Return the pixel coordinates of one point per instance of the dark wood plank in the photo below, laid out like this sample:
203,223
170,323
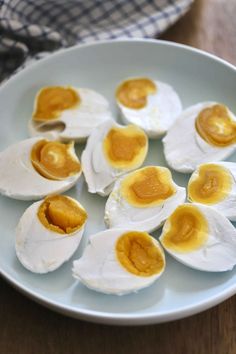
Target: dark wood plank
26,327
209,25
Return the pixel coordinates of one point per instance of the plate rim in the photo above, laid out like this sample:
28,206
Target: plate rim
61,51
120,319
105,317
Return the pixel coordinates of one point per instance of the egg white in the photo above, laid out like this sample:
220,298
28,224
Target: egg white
99,269
20,180
184,149
39,249
78,122
227,206
99,175
161,111
119,212
218,253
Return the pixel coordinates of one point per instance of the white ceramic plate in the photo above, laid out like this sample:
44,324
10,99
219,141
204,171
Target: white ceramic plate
196,76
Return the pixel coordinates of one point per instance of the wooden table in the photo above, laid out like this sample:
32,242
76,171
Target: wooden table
26,327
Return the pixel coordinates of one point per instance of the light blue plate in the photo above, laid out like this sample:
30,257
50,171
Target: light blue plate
196,76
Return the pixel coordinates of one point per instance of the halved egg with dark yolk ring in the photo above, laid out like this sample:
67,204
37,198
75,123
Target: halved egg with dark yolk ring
55,160
200,237
215,125
214,184
204,133
35,167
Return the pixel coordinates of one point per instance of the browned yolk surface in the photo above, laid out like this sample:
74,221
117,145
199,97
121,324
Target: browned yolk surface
51,101
187,229
148,186
61,214
139,255
125,147
54,160
216,127
133,93
212,184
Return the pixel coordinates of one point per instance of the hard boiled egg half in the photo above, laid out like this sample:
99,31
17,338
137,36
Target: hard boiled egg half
203,133
143,199
120,261
49,232
152,105
200,237
214,184
67,113
34,168
111,151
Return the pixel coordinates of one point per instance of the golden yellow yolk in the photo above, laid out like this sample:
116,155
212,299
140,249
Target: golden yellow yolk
139,255
61,214
125,147
187,229
54,160
212,184
216,127
147,187
133,93
51,101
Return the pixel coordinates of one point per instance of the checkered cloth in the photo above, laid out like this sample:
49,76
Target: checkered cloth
31,28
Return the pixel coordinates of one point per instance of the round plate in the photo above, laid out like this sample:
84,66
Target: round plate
196,76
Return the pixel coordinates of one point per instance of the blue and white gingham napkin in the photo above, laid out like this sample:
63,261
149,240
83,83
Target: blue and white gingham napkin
31,28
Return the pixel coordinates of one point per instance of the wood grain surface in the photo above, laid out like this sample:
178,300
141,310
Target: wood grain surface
26,327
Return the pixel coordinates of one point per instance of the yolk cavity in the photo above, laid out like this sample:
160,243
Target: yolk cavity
51,101
187,229
139,255
54,160
148,187
125,147
133,93
61,214
216,127
212,184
